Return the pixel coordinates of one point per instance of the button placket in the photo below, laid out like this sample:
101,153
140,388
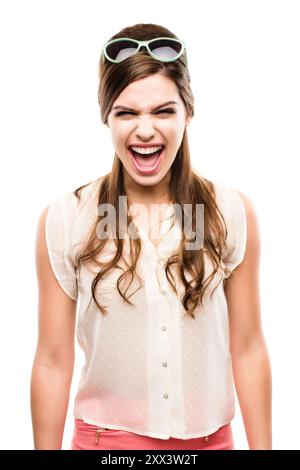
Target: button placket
164,364
159,303
161,278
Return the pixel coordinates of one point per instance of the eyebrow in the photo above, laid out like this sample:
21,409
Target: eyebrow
160,106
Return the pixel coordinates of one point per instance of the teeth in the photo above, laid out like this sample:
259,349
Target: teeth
146,150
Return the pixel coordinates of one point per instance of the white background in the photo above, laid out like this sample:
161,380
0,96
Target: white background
245,74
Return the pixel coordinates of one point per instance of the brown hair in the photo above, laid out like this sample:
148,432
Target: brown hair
186,186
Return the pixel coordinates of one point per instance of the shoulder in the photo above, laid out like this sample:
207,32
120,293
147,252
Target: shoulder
236,205
230,201
80,197
253,232
239,213
70,215
242,214
73,205
251,213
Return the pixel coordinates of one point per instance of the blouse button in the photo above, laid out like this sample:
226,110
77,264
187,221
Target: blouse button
164,292
164,364
163,328
206,438
165,395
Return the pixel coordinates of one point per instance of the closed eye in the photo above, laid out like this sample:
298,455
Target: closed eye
167,110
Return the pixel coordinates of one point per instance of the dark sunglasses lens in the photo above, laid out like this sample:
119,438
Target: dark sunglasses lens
165,49
120,50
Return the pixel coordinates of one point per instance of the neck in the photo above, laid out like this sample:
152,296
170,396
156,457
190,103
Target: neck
153,194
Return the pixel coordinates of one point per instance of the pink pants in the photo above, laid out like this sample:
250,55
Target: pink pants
89,437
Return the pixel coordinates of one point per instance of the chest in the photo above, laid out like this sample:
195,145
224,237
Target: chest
153,223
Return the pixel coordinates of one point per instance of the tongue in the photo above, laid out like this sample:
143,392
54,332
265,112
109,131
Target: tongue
147,161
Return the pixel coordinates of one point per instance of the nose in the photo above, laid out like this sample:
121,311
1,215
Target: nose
144,129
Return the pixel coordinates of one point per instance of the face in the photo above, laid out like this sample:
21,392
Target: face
140,121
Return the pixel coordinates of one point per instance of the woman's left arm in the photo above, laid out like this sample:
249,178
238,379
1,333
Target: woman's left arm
250,360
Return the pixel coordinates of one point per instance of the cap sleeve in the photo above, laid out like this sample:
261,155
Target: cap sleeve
237,233
57,233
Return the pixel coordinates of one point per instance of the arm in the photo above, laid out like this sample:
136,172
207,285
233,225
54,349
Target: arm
54,358
250,361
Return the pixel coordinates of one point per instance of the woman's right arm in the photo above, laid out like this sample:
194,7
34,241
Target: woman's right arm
53,363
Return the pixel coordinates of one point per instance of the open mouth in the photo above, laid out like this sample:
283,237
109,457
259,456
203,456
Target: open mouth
147,163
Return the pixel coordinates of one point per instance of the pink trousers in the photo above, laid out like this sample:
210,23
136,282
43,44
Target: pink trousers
89,437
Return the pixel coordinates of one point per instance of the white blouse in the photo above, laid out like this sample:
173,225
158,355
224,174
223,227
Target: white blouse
149,368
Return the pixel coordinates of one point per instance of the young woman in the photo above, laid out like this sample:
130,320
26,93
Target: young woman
165,265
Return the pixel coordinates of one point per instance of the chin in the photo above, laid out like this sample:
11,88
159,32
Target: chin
147,180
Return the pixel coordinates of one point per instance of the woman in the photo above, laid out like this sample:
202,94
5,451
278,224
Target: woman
165,264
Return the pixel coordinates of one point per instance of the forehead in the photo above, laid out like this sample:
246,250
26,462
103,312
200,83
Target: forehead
150,91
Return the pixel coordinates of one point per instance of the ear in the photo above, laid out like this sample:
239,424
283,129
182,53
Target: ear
188,120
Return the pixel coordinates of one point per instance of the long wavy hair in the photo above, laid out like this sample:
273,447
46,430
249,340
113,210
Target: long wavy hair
186,185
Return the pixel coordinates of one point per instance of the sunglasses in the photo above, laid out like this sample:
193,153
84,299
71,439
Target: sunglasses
163,49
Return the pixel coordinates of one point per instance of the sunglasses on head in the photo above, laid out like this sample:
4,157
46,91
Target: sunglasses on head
163,49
